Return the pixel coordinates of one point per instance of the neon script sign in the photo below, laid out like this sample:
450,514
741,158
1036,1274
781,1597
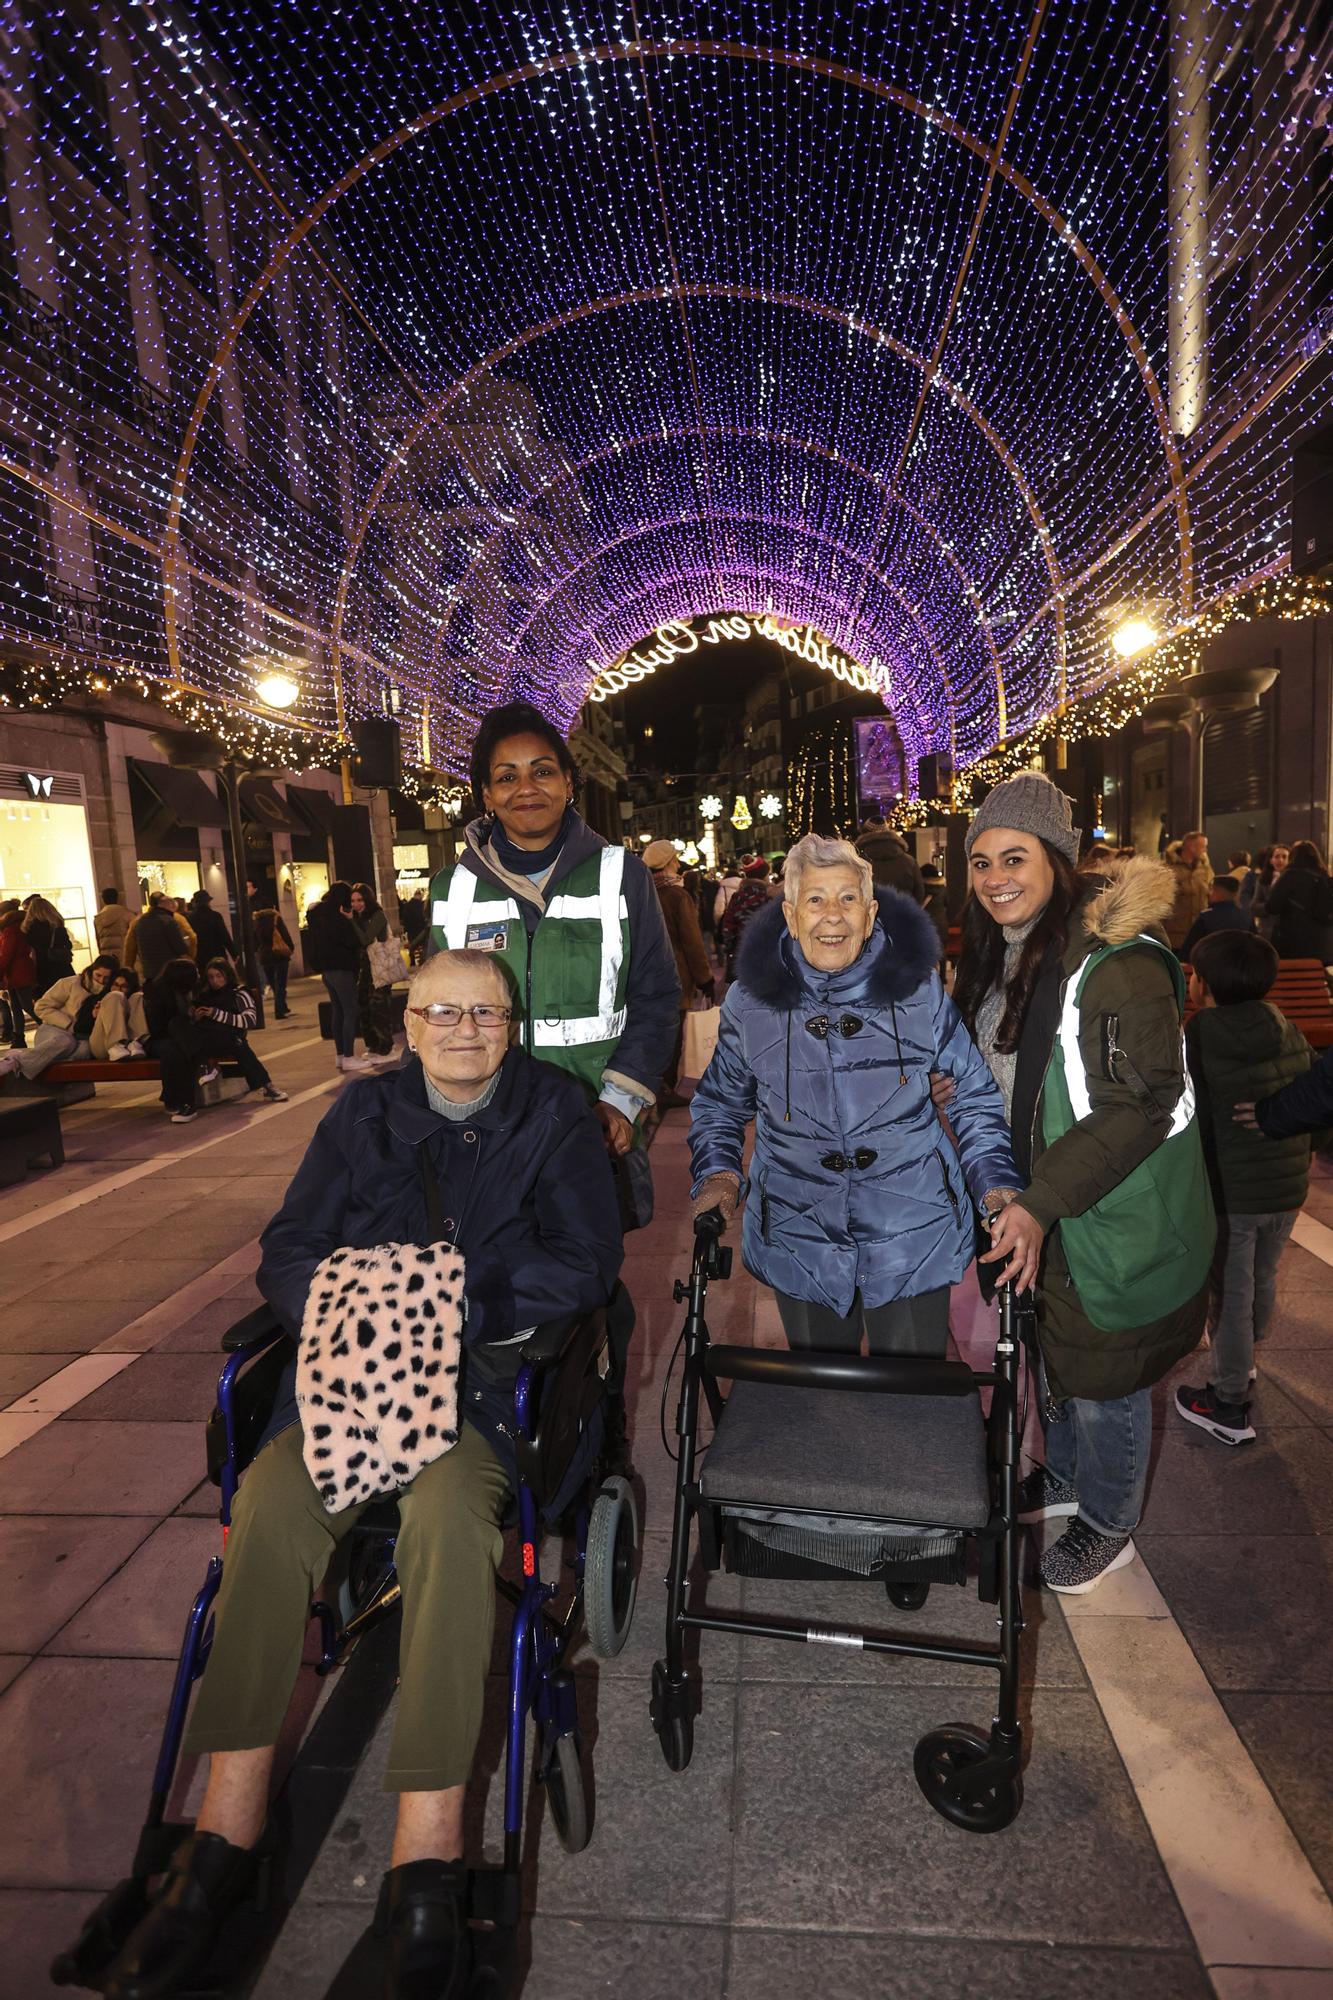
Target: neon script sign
674,641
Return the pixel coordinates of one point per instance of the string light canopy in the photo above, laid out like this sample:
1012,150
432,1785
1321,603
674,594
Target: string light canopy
452,349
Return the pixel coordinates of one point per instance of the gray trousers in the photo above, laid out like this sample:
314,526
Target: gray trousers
1243,1294
918,1325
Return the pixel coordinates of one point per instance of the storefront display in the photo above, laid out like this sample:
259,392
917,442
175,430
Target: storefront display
45,850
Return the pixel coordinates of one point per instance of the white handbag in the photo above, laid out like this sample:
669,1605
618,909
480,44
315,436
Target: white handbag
385,958
701,1025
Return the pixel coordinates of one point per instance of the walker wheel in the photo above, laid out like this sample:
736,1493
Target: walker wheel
908,1596
939,1759
675,1731
568,1796
611,1568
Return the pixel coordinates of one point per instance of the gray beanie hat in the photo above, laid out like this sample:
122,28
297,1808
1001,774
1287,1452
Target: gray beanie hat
1030,803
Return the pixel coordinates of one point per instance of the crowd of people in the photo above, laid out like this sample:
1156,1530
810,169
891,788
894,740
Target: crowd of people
163,985
1088,1095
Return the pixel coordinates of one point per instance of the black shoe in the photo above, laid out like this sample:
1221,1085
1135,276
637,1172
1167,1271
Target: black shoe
422,1911
208,1877
1229,1423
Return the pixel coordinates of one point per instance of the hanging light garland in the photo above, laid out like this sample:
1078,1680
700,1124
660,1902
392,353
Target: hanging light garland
471,431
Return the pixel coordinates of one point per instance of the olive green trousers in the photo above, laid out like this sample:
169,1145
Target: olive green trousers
447,1554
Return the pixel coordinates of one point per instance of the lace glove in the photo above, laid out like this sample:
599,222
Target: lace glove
995,1199
718,1191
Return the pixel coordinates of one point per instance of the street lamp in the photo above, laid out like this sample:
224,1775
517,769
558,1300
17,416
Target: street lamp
1132,637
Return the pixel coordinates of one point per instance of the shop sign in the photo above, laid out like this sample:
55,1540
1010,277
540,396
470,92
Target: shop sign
38,787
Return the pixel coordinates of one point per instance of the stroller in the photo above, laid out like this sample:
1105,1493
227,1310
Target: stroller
568,1419
824,1465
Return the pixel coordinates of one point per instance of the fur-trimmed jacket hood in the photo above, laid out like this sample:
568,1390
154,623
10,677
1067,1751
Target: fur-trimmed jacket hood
854,1184
1137,898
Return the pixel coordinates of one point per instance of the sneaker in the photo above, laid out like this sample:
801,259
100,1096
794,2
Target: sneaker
209,1074
273,1094
1041,1496
1080,1559
185,1115
1229,1423
137,1050
355,1062
121,1053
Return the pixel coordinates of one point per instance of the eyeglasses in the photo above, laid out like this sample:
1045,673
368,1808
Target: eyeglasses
441,1015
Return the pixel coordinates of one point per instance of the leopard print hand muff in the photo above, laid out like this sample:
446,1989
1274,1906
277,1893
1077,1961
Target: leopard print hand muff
377,1368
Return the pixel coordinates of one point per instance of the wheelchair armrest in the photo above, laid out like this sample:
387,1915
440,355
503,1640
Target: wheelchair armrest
548,1341
259,1328
901,1375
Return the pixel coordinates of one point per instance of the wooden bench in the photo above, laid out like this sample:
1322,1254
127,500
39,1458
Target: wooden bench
135,1069
29,1131
1300,991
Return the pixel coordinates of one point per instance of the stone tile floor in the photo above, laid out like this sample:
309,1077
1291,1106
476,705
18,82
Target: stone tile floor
796,1852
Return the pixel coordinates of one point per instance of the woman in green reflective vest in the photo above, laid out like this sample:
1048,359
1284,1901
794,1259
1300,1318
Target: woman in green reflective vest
1075,999
577,922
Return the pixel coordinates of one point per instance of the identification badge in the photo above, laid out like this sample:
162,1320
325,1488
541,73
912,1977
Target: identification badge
488,937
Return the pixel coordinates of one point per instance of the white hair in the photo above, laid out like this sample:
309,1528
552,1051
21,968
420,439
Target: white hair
818,851
444,962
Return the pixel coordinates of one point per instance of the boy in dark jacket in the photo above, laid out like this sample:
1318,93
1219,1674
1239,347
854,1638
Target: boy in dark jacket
1241,1048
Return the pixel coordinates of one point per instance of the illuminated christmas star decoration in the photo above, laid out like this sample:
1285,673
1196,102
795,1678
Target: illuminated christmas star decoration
710,806
770,806
458,375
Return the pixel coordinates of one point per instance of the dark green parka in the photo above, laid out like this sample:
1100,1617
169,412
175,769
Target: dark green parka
1238,1055
1133,1057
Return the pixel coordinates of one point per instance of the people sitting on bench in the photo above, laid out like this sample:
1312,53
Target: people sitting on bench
81,1019
195,1026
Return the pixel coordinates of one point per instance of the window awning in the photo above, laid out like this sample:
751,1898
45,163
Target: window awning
316,807
181,793
263,805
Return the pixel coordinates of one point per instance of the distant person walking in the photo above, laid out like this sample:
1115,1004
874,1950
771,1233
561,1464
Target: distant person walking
336,957
111,923
52,950
274,947
158,936
693,968
1193,877
1300,907
891,862
212,937
371,926
1223,914
18,970
752,897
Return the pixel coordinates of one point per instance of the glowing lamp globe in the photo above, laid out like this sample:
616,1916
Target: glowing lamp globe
1132,637
277,690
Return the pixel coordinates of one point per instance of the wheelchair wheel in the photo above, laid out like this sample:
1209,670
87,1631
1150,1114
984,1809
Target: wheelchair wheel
568,1796
611,1569
675,1731
940,1756
908,1596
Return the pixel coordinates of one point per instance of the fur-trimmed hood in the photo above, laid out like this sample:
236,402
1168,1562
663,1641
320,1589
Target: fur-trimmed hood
1139,895
899,956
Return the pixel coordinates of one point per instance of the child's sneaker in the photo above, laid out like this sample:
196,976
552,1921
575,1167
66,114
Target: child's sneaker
1228,1422
1041,1496
1080,1559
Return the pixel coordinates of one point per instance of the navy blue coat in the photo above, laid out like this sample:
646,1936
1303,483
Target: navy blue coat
817,1226
526,1193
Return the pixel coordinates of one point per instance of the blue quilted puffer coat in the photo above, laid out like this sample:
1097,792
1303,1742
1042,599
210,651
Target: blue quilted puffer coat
854,1184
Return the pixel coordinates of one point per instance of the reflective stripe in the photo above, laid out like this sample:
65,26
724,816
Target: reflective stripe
574,1034
452,915
1076,1078
610,881
580,906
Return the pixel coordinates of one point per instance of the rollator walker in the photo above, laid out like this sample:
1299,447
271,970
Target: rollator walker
567,1427
828,1465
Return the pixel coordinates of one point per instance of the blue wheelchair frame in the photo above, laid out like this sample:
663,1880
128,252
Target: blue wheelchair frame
539,1683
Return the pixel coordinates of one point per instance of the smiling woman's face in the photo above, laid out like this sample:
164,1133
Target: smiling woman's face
1012,876
528,791
830,919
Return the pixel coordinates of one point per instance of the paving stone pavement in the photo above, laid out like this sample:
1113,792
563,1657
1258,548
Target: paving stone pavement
796,1853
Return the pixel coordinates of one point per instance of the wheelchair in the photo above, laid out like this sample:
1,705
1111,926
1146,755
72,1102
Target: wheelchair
828,1465
568,1434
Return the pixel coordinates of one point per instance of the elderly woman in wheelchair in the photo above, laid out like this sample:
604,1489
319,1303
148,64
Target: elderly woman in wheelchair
441,1213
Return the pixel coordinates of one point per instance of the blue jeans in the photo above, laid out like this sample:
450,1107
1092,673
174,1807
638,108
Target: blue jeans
1243,1294
341,989
1101,1450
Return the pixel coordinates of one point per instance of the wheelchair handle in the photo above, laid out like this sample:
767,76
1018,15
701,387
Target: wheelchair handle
710,1225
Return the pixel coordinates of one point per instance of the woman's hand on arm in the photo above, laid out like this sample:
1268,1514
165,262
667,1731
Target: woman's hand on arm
1016,1236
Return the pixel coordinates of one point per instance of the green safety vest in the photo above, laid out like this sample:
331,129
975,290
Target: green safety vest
569,980
1144,1249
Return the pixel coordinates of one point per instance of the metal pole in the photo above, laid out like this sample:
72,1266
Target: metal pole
1187,216
245,930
